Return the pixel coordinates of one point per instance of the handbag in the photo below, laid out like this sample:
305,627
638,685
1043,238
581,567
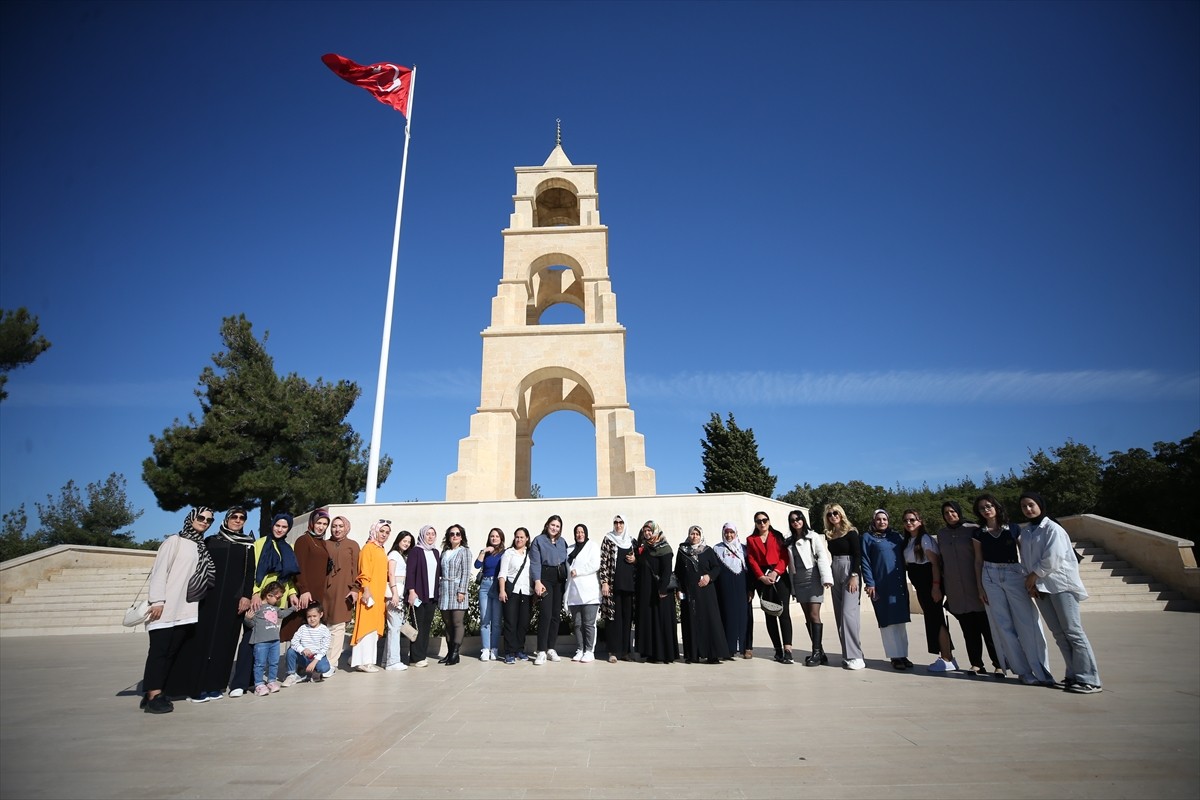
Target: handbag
407,629
772,607
139,611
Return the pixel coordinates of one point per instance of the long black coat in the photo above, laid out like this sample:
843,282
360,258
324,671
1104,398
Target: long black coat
703,634
656,639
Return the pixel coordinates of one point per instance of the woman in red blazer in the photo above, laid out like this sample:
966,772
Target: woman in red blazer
766,556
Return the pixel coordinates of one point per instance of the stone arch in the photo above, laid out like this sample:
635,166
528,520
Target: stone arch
556,203
539,394
548,286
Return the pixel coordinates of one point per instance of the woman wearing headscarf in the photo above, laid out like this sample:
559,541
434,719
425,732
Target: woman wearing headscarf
923,567
202,669
341,587
454,579
733,596
845,550
583,593
766,555
1054,583
548,571
618,581
656,639
370,612
696,569
883,577
274,561
811,573
960,585
420,587
313,561
181,575
1020,643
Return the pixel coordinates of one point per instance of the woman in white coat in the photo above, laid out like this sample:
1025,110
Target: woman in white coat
812,574
583,593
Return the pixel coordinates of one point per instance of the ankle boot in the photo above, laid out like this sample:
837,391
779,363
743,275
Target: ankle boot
452,656
816,630
446,658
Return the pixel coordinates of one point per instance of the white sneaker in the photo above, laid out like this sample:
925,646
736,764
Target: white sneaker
553,655
495,657
486,655
330,673
397,667
290,680
236,692
578,656
588,656
424,662
942,665
854,663
541,658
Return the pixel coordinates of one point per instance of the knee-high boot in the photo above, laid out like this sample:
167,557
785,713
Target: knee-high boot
816,630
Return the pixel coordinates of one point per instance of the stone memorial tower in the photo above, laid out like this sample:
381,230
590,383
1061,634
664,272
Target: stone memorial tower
555,251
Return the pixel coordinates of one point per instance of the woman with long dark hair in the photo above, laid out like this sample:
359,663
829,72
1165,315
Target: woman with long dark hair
453,581
925,572
811,573
515,593
1012,614
396,607
767,556
548,570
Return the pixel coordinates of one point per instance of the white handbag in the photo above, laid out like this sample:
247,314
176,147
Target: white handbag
139,611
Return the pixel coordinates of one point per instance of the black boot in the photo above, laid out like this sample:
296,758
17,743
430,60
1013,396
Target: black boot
446,658
818,657
452,656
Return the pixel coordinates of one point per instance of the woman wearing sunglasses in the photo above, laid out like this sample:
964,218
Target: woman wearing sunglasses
845,549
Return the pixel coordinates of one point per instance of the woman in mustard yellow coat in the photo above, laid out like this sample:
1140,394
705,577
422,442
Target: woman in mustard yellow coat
370,611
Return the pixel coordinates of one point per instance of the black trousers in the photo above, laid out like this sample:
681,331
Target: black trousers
423,619
164,647
516,622
781,593
243,667
975,628
549,610
617,630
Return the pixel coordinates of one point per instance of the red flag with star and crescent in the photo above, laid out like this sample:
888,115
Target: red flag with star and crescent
388,83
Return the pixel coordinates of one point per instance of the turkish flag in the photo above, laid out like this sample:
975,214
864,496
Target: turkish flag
389,83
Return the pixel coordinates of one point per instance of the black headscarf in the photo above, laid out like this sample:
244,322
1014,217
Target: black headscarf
578,545
958,509
1037,498
240,537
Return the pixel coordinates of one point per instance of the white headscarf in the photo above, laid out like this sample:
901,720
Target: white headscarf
730,552
623,540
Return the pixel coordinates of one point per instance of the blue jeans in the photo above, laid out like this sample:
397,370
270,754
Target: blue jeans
293,656
1016,631
490,611
266,656
1061,612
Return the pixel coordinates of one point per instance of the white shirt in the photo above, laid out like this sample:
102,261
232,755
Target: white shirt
584,588
400,569
510,564
910,549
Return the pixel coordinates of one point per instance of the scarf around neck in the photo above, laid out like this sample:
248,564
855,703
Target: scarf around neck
205,576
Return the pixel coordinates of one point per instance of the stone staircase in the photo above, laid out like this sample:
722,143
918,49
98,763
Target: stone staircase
1114,585
75,600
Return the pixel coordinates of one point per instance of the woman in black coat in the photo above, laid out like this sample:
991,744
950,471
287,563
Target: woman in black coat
656,639
696,571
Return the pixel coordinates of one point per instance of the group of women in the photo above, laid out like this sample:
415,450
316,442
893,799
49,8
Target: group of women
202,585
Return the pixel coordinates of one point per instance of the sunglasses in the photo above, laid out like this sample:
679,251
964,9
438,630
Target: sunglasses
456,533
385,522
205,520
237,516
761,520
833,514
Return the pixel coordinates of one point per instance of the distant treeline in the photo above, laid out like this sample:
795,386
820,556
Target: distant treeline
1138,487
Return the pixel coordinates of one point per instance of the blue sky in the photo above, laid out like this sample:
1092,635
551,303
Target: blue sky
902,242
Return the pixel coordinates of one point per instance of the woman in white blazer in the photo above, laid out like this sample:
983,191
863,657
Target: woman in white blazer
583,593
812,574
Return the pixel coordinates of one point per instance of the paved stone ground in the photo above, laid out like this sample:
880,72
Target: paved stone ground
69,727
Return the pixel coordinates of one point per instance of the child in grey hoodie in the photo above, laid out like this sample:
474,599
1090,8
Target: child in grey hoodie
264,637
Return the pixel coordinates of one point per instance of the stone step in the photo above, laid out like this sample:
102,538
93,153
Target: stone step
79,596
73,600
1097,605
104,570
97,580
70,631
29,618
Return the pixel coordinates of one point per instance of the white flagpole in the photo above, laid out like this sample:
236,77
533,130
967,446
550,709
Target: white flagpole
381,388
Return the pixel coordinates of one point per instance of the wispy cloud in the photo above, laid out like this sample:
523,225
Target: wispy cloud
917,387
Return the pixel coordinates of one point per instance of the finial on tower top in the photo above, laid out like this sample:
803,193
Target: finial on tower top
558,133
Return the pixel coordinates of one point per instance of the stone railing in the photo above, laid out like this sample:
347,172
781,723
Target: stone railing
1167,559
24,572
